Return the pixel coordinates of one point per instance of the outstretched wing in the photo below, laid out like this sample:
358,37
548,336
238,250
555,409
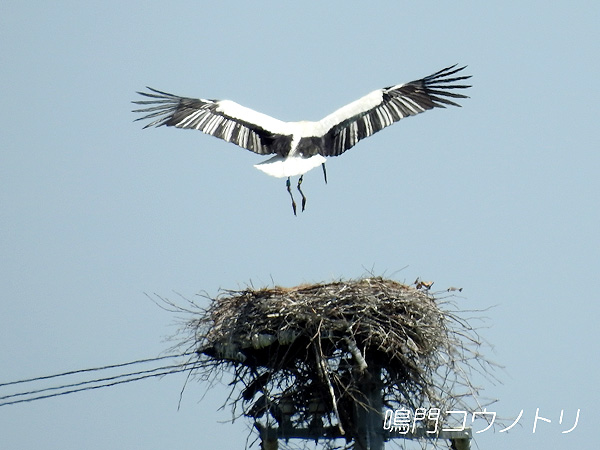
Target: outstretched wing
224,119
379,109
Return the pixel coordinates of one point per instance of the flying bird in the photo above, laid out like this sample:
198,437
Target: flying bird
301,146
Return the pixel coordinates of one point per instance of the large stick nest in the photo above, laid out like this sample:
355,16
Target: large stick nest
301,356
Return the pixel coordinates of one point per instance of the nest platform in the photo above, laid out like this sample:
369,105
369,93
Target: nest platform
311,356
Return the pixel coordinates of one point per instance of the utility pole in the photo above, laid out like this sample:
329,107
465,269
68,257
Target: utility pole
369,416
368,432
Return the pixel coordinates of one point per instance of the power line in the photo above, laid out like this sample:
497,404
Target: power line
139,361
97,383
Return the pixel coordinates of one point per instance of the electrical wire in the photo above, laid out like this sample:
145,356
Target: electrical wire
97,383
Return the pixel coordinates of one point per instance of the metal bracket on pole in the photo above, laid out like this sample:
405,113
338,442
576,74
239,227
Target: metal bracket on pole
460,439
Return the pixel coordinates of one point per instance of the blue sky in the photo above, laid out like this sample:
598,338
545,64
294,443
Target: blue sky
500,197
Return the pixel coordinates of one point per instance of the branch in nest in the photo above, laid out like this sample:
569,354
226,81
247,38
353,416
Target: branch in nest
358,357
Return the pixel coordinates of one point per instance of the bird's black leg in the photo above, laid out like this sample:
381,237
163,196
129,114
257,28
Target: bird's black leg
324,172
301,193
287,183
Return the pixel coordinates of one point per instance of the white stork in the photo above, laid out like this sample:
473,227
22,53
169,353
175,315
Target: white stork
301,146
